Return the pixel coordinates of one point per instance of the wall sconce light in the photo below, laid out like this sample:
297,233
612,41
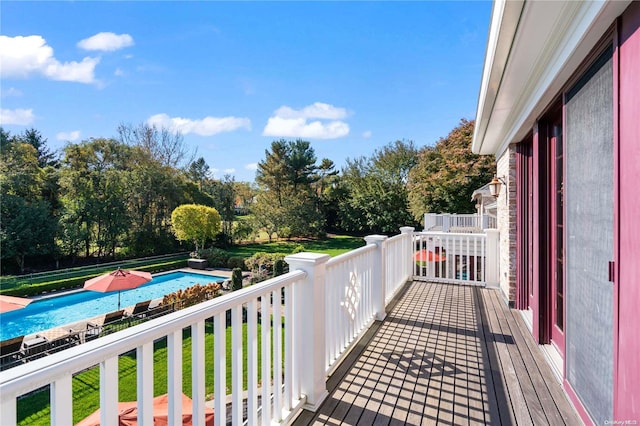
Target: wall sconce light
494,185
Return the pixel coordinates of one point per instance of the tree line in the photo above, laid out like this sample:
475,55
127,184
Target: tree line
106,198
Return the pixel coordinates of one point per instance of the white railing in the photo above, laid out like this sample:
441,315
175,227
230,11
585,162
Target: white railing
458,222
353,297
398,264
280,389
466,258
349,300
298,327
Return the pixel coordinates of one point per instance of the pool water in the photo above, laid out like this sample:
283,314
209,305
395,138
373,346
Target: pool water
56,311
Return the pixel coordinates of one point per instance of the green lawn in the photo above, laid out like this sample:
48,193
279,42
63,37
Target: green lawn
35,410
332,246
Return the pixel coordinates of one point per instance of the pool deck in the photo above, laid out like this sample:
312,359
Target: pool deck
98,320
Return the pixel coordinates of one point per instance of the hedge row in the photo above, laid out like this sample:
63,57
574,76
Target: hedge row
27,289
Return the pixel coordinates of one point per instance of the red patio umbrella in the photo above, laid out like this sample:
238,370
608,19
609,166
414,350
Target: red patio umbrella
425,255
128,413
117,281
11,303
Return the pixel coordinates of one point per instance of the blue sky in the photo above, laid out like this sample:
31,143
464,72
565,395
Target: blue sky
349,77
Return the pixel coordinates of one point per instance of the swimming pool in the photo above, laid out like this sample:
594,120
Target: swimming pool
53,312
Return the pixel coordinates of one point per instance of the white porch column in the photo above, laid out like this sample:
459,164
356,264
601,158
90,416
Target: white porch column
310,334
492,276
407,231
378,276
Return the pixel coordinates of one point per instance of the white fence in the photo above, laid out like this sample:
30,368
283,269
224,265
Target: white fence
458,222
468,258
298,327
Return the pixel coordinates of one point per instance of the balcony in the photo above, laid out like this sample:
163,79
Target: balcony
461,223
349,337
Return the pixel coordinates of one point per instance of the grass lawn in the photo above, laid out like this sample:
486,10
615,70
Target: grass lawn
35,409
332,246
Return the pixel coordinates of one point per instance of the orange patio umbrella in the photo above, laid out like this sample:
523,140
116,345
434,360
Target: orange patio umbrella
117,281
425,255
11,303
128,413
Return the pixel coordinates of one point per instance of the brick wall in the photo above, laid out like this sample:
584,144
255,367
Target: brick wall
507,223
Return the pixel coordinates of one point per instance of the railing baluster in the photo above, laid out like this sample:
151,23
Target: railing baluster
236,364
8,408
252,363
265,315
62,401
197,372
108,391
144,361
277,355
219,368
174,373
288,349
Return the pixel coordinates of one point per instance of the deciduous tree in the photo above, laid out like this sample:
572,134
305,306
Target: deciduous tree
446,175
195,223
374,195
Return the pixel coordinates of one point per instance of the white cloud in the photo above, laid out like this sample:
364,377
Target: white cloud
287,122
106,42
23,56
18,117
229,171
68,136
367,134
315,110
11,91
251,166
207,126
118,72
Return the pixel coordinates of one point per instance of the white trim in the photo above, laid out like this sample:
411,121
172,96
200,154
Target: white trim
536,67
554,359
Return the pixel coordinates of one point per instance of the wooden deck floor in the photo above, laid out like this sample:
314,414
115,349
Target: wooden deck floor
445,354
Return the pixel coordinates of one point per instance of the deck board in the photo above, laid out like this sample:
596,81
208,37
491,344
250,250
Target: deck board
445,354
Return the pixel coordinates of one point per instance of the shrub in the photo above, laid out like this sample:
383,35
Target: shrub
215,257
262,262
236,262
278,267
298,249
192,295
257,277
236,279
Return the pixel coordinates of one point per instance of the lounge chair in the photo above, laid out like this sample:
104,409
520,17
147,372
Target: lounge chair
35,348
11,352
141,309
160,310
112,317
86,333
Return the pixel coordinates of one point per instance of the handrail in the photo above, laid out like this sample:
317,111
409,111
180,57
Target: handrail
351,254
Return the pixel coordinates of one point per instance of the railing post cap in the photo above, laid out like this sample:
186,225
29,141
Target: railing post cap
407,229
490,231
375,238
307,258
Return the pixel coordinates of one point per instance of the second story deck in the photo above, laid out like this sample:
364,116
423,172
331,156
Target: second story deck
281,350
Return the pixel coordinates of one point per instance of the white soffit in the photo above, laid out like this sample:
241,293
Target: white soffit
547,41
